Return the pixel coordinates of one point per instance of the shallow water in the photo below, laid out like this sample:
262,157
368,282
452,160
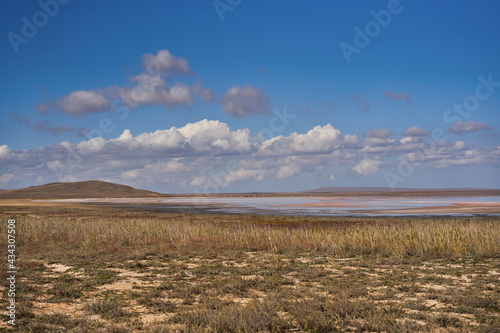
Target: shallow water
320,206
350,206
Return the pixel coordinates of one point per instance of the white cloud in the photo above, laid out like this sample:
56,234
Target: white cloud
4,151
165,62
245,101
242,174
204,136
469,126
378,145
416,131
172,166
6,178
80,102
130,174
158,170
149,87
367,166
320,139
459,145
287,171
126,135
198,181
210,153
153,90
351,140
93,145
378,133
406,139
69,178
459,154
223,179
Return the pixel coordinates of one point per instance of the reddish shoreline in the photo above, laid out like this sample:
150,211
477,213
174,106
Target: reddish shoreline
354,206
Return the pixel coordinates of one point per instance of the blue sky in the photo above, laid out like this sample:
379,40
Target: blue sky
236,96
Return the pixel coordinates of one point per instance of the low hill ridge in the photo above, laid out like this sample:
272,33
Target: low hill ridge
387,191
78,190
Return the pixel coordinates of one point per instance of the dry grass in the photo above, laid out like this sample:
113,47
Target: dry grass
116,270
433,238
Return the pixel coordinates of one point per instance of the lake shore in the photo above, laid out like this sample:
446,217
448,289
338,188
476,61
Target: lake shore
316,204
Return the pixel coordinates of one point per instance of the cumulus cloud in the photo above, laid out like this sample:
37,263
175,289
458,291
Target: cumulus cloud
416,131
208,153
245,101
398,96
80,102
320,139
165,62
148,88
205,136
469,126
287,171
460,154
378,133
367,166
152,156
243,174
377,141
4,151
153,90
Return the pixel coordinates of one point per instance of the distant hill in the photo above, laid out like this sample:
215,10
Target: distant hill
387,191
78,190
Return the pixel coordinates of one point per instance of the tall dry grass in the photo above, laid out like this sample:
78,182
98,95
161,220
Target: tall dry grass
419,237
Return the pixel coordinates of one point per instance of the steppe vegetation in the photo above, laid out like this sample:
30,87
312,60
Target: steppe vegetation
105,269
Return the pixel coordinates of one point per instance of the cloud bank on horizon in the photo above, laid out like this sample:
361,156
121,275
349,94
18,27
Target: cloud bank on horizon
273,113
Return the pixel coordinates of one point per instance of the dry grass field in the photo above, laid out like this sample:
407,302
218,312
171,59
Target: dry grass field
87,269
